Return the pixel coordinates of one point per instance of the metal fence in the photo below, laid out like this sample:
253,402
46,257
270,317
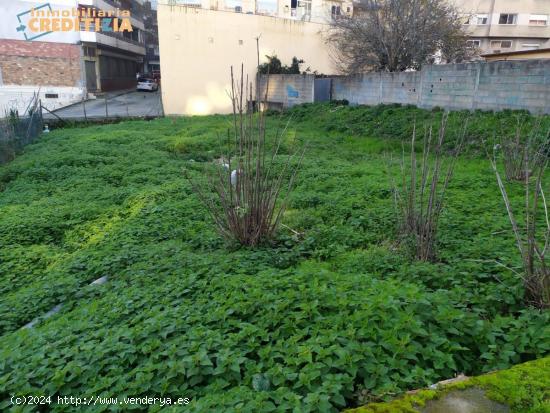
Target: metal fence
125,104
17,131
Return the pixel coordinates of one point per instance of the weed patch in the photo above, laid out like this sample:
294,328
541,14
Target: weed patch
330,314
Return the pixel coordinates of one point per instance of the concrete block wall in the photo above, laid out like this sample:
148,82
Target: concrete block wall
401,87
448,86
288,90
515,85
480,85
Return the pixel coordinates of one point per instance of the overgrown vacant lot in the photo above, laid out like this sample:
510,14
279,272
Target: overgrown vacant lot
333,314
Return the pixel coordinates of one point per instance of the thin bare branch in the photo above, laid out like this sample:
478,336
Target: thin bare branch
243,195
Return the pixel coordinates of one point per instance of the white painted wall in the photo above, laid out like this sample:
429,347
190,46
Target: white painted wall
15,96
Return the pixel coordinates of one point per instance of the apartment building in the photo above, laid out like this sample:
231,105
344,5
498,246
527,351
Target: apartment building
112,58
151,63
502,26
321,11
318,11
65,49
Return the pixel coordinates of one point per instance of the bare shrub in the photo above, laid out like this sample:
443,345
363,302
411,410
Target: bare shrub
420,200
519,155
533,235
249,180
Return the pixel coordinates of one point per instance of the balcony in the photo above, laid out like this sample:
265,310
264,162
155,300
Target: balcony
481,30
152,53
512,30
520,31
113,40
135,8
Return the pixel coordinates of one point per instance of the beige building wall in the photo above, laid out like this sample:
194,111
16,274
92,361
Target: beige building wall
198,47
523,32
526,55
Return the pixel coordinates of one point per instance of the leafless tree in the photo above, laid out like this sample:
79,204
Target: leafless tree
396,35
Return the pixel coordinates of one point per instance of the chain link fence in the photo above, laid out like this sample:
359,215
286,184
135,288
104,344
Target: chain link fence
17,131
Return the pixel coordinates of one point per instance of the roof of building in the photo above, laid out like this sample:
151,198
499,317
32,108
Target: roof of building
517,53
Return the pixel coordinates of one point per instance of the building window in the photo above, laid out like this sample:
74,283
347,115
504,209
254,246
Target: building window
482,19
335,11
89,51
305,6
91,26
507,18
473,43
538,20
189,3
501,44
530,46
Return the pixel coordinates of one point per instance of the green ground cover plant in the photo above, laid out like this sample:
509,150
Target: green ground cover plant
523,388
330,315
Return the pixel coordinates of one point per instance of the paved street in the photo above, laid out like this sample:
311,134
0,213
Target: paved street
130,104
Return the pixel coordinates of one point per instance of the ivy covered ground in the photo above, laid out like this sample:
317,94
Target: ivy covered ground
522,388
332,315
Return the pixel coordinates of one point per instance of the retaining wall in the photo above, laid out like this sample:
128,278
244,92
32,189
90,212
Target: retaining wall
287,90
481,85
487,85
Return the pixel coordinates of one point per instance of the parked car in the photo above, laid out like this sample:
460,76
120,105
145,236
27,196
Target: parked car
145,83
